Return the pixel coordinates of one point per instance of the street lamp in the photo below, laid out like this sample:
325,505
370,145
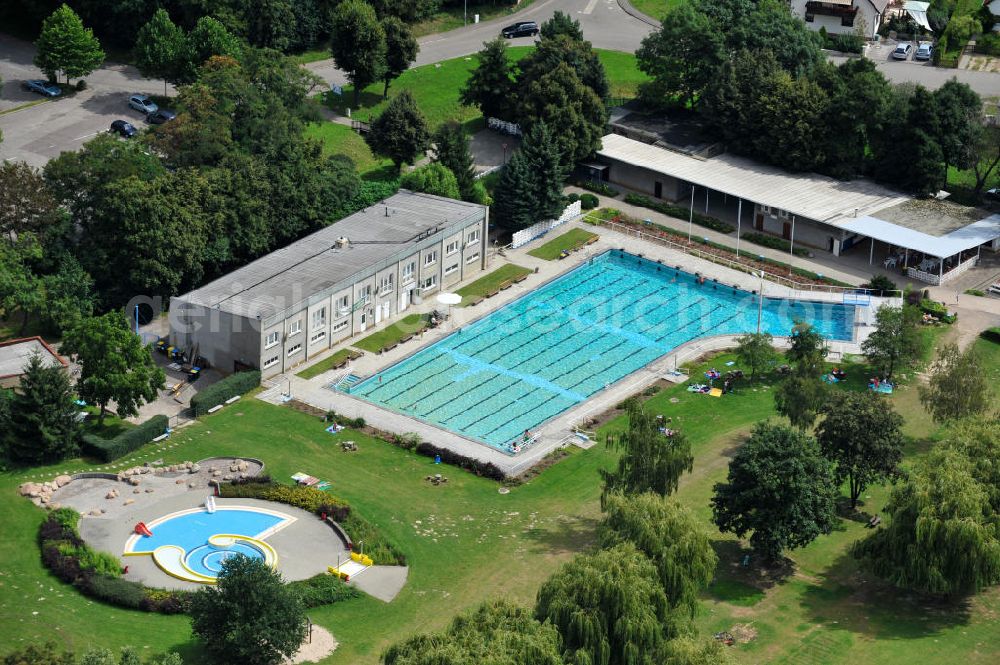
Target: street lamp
760,300
505,153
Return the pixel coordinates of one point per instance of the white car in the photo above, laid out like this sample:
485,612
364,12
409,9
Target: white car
902,51
143,104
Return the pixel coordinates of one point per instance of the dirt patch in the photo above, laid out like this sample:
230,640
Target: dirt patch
316,647
743,633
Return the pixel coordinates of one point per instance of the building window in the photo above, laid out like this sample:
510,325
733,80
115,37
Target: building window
429,283
472,237
295,328
472,257
365,293
451,248
343,306
408,271
272,339
295,349
431,258
385,286
450,269
270,361
319,318
337,327
810,18
318,336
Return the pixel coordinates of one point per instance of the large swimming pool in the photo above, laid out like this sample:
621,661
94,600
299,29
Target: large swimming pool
552,349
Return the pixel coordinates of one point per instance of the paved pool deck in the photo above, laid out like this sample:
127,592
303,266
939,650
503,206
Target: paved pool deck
558,431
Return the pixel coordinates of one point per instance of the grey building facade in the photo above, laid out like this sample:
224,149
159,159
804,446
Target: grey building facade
290,305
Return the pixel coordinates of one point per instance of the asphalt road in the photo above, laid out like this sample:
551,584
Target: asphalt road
38,133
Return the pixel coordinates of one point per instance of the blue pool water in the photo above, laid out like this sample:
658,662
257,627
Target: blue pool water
208,559
552,349
192,530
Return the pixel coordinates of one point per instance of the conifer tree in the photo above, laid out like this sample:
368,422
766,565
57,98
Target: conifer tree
400,133
451,149
545,163
43,425
513,199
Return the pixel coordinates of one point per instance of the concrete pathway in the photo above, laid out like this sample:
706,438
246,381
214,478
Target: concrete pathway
382,582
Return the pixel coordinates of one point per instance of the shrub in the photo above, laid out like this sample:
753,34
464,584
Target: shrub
588,201
881,284
217,393
374,544
114,590
938,310
408,441
358,423
307,498
847,42
598,187
679,212
132,439
322,590
477,467
100,563
772,242
975,292
81,85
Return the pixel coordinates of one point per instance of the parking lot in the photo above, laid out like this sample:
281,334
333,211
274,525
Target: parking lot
40,132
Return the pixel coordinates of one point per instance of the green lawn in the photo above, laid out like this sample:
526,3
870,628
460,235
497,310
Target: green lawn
569,241
655,8
326,364
491,283
453,17
408,325
465,542
337,139
436,88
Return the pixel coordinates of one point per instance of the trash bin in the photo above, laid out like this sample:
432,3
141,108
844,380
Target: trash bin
475,18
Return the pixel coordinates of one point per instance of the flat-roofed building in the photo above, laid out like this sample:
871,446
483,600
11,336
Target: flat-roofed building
15,354
296,302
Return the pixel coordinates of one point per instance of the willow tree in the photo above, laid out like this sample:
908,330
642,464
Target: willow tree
957,387
941,534
672,538
497,632
650,461
609,608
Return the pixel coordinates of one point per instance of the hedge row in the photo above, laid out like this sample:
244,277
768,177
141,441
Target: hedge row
679,212
773,242
319,502
108,450
322,589
597,186
217,393
73,561
477,467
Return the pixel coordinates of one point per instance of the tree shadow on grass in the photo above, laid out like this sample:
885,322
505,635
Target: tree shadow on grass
568,534
862,603
743,582
385,172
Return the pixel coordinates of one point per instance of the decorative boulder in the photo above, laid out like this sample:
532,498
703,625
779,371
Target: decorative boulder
110,495
62,480
134,480
28,489
179,481
128,502
195,468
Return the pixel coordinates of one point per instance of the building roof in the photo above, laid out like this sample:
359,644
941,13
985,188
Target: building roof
378,235
958,240
14,355
808,195
932,216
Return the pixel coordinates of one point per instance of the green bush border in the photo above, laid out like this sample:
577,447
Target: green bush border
679,212
229,387
108,450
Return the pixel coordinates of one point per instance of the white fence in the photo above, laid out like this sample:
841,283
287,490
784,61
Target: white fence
524,236
504,127
935,277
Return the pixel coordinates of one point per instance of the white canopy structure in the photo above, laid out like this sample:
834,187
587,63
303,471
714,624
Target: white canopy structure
973,235
918,12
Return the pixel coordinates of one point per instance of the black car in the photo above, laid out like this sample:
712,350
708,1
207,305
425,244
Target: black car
160,117
520,29
123,128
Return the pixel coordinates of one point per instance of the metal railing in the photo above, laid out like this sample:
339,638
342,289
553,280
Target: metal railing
743,267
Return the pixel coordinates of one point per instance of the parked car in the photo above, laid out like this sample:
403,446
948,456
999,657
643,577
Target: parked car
42,88
143,104
902,51
520,29
161,116
924,51
123,128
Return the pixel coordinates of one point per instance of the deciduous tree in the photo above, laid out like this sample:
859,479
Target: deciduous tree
957,387
609,607
780,488
895,340
960,121
861,434
161,49
400,133
650,461
65,45
497,632
672,538
250,616
115,366
358,44
401,50
756,351
807,349
26,203
800,398
43,426
433,178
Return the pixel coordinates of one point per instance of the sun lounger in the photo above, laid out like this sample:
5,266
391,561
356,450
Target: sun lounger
715,392
334,428
698,388
995,288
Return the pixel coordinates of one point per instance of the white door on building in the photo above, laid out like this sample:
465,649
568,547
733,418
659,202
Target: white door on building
364,321
378,314
385,309
404,299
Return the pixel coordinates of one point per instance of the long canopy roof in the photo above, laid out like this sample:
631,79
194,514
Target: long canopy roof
973,235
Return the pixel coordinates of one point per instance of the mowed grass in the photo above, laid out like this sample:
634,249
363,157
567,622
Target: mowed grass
656,9
408,325
465,543
492,282
327,364
337,139
436,88
567,242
